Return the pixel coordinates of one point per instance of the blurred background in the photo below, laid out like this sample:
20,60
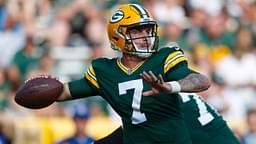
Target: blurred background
61,37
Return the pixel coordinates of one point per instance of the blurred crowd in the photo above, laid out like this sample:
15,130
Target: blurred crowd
60,37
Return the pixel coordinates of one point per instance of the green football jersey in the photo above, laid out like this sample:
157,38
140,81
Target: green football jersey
146,120
205,124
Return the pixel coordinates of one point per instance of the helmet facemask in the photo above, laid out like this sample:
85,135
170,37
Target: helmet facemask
141,39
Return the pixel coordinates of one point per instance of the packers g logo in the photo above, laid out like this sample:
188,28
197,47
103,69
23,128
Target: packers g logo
117,16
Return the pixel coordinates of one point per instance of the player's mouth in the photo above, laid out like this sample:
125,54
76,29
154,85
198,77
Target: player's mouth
142,45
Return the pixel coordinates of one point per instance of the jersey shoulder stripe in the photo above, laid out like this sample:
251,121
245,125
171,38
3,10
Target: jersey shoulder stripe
174,58
91,76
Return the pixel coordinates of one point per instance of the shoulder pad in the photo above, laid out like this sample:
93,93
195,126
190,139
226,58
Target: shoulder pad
100,61
174,45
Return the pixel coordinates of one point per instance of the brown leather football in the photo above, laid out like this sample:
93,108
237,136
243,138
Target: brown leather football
39,92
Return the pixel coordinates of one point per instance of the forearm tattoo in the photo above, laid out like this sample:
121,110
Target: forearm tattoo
194,83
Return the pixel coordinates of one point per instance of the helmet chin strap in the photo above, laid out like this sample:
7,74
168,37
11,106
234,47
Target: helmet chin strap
141,55
144,55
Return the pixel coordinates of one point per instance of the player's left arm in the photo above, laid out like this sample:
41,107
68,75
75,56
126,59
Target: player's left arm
193,82
180,77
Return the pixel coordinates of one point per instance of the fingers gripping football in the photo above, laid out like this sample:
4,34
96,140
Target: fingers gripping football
41,76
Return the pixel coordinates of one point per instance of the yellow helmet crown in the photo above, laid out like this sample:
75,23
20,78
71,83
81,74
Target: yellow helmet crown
131,16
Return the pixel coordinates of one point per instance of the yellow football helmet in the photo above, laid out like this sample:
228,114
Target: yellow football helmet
128,17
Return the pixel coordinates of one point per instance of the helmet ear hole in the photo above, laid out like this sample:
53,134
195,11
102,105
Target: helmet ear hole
115,38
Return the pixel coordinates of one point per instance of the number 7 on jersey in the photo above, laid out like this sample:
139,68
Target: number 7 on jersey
137,85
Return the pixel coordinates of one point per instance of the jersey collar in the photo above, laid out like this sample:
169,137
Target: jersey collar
125,69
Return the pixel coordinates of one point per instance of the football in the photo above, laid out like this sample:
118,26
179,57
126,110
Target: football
38,92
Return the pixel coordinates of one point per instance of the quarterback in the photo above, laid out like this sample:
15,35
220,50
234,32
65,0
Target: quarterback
126,82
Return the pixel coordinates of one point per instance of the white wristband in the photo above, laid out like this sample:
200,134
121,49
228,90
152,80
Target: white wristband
175,86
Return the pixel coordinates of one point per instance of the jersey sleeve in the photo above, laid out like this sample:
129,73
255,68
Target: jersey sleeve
176,65
180,72
87,86
81,88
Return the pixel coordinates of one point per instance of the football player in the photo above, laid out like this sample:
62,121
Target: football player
205,124
126,81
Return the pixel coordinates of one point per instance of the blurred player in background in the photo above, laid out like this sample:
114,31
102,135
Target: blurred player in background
142,70
80,118
250,136
3,139
205,124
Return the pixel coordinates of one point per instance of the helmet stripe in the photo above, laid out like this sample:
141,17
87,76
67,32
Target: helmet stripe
141,10
146,11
